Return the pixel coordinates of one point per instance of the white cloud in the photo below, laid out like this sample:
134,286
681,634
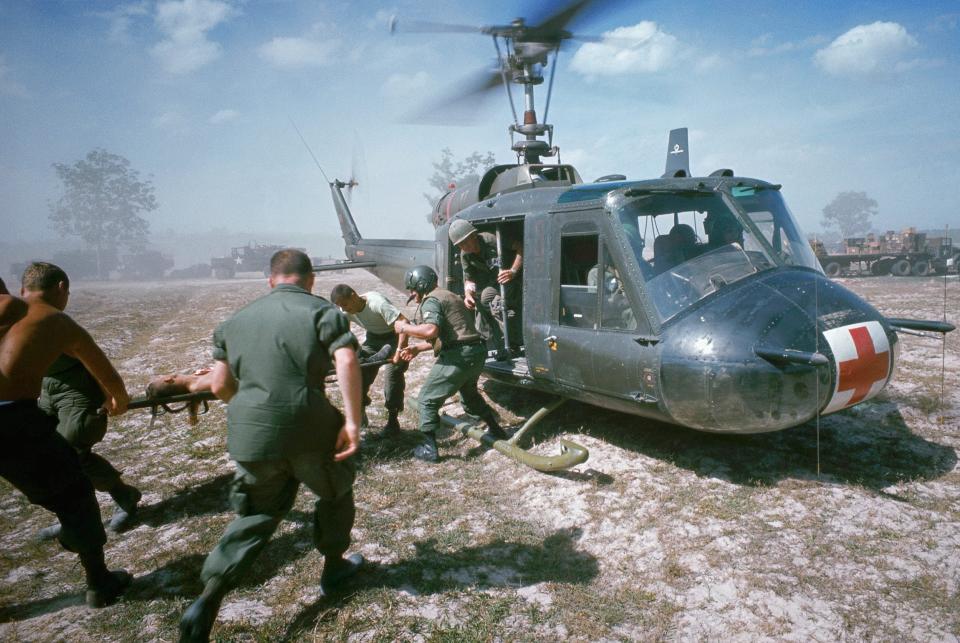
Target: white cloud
641,48
868,49
224,116
121,18
185,24
298,52
399,86
8,85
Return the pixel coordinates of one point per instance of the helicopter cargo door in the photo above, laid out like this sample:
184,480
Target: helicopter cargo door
584,329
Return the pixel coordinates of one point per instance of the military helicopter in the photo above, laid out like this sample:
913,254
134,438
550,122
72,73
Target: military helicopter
691,300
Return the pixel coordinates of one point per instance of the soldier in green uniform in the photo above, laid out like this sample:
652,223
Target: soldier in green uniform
483,273
36,459
271,359
444,322
72,396
377,315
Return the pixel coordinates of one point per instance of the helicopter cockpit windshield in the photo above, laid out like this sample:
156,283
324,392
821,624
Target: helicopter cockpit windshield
691,243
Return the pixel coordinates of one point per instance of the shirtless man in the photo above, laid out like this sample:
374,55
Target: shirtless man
35,458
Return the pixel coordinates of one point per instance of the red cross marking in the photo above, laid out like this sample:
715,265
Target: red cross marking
863,372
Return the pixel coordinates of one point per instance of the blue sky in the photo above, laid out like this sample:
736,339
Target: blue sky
822,97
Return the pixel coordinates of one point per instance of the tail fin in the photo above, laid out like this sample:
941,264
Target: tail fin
351,235
678,154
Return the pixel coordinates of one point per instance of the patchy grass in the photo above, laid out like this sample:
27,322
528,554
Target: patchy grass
844,530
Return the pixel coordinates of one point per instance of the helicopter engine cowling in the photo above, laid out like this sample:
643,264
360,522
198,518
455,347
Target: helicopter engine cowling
713,374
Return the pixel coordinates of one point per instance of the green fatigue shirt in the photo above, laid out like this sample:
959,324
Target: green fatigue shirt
446,311
378,316
483,266
279,348
68,382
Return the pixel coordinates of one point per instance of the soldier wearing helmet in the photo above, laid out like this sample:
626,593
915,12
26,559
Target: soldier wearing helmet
483,273
446,326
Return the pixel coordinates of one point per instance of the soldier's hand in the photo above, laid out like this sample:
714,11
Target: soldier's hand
469,301
348,441
116,405
505,276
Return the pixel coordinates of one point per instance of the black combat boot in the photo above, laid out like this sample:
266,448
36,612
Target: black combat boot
126,497
337,570
493,427
392,428
104,587
428,450
198,620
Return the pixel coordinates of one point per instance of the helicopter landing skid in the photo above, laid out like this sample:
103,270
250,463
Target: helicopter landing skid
571,453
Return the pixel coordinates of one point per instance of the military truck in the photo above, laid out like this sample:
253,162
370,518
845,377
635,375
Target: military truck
907,253
253,257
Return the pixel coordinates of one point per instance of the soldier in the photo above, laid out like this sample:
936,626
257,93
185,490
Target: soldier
483,273
72,396
271,359
443,321
377,315
35,458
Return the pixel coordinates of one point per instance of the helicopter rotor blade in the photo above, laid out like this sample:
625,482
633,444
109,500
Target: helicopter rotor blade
427,26
460,105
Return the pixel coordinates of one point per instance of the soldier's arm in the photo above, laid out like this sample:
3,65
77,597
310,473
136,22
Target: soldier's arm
348,379
82,346
426,331
222,382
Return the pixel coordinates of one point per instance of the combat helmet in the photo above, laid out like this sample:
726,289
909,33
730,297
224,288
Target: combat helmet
420,279
460,229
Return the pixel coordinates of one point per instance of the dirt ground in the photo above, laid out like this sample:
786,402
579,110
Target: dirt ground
846,529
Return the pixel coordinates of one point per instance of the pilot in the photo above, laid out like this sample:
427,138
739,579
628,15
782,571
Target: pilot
378,316
482,275
73,396
722,229
444,324
685,243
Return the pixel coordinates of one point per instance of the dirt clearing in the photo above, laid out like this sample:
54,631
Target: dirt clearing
663,533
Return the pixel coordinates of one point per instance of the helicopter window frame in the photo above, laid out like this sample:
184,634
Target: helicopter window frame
579,302
585,299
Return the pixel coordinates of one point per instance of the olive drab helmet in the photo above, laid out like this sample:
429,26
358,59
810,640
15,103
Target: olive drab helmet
420,279
460,229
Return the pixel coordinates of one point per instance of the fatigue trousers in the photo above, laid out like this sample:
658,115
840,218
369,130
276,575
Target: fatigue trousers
82,427
490,314
394,378
38,461
456,370
264,491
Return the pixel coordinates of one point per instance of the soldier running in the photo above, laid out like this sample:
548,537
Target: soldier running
444,322
35,458
377,315
271,360
72,396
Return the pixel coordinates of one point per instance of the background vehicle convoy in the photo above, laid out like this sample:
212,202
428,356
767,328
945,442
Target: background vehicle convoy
253,257
907,253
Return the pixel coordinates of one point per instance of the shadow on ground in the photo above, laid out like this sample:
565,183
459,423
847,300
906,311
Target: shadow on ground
870,446
555,560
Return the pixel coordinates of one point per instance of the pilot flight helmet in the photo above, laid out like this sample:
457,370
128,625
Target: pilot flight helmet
460,229
420,279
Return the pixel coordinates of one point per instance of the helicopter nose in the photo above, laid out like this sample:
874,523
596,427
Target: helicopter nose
772,353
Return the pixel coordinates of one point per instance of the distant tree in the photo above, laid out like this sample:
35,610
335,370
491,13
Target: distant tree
448,171
850,214
102,200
